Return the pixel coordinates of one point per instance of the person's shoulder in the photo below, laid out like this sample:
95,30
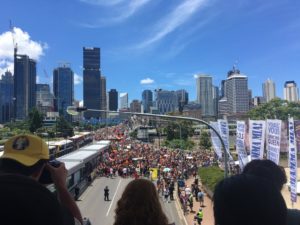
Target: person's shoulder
293,217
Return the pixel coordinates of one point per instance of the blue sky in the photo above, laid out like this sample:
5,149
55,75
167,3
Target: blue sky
163,42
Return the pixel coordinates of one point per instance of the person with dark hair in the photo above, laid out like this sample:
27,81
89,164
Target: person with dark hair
28,155
25,201
267,169
270,171
137,208
248,200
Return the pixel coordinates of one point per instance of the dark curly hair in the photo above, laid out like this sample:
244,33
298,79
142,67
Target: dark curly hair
267,169
139,205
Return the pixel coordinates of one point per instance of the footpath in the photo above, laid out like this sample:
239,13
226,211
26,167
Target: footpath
208,215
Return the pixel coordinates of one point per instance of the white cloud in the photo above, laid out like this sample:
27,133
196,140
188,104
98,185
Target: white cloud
124,12
77,79
173,20
25,46
147,81
195,76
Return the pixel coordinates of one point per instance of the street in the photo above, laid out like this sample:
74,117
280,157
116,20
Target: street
100,212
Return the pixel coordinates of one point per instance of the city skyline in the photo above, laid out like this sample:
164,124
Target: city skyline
249,35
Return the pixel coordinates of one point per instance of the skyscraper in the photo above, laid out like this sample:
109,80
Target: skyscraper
63,89
6,97
165,101
269,91
91,81
205,94
183,98
44,98
24,86
147,100
291,92
135,106
103,95
124,100
215,100
113,99
237,93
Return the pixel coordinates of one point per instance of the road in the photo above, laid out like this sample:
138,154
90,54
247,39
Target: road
100,212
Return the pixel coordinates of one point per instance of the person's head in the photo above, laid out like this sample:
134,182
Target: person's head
24,154
139,205
248,200
267,169
24,201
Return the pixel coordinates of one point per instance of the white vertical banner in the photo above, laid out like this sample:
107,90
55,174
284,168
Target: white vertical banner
273,140
257,138
224,131
215,140
240,143
292,160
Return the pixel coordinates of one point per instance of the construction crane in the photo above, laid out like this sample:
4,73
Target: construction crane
11,28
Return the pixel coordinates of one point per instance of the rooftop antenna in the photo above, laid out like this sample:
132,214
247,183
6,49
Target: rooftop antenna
11,28
235,65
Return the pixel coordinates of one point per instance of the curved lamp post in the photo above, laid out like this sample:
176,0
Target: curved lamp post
73,110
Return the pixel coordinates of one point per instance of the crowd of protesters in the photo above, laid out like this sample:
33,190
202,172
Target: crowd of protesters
129,157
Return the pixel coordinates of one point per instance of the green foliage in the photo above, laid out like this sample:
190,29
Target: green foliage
133,134
35,120
179,143
205,140
276,109
182,129
48,132
18,127
210,176
64,127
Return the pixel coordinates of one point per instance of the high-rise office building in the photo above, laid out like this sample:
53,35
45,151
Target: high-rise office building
63,89
223,89
6,97
113,100
205,94
24,85
237,92
165,101
291,92
216,97
183,98
269,91
44,98
135,106
103,95
91,81
147,100
124,100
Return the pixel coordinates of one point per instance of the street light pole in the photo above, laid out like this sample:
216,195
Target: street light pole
73,110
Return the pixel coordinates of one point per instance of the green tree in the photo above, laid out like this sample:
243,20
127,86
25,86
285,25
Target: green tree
276,109
205,140
64,127
35,120
182,129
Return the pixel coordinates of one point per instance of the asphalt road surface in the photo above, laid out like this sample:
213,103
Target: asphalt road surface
100,212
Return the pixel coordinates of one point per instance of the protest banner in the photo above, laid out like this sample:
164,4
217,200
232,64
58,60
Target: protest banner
297,134
215,140
257,138
273,140
292,160
240,143
224,132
